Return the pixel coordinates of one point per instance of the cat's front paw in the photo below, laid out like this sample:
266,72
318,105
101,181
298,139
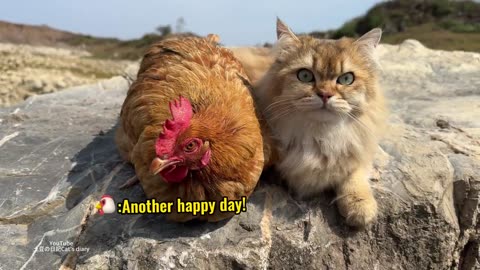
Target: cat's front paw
359,210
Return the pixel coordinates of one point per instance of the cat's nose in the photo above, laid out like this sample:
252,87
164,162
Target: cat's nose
324,96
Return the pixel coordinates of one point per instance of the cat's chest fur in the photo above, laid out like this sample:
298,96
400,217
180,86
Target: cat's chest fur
316,155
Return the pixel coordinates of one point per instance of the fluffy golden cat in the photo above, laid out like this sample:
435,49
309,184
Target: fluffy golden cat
325,110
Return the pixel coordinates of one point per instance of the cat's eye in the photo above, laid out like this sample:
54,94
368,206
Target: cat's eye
305,75
346,78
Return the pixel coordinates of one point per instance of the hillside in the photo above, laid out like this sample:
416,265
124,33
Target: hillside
33,35
105,48
439,24
39,59
31,70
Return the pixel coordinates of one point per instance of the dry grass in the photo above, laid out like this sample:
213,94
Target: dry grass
437,38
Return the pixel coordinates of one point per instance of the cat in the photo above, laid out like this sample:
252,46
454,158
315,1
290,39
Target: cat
325,111
255,61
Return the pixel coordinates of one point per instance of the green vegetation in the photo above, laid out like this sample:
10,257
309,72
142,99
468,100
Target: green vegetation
439,24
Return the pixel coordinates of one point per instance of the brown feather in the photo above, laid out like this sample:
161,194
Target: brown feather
224,114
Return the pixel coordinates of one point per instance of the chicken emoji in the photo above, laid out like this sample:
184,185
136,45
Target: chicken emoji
106,205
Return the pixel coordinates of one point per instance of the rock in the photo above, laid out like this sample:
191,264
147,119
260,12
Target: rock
34,83
28,70
61,159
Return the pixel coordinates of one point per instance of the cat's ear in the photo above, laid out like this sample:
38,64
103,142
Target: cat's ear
367,44
287,40
370,39
284,32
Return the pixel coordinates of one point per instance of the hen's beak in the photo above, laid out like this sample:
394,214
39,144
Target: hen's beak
98,206
159,165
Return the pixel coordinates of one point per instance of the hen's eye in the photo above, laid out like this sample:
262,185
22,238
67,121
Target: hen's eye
305,75
191,146
346,78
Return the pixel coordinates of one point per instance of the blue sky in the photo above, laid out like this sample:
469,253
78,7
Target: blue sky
244,22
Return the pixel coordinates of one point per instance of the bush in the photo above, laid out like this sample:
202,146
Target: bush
459,26
164,30
349,29
376,17
441,8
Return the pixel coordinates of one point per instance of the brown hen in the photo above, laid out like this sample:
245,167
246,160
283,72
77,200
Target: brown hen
189,126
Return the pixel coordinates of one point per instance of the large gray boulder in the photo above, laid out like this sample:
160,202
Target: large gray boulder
58,158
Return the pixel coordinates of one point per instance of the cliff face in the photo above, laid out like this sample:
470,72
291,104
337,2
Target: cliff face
58,158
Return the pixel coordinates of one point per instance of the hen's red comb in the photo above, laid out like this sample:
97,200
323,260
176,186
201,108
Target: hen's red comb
182,112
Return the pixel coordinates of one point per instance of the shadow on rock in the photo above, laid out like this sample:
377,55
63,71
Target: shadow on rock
100,170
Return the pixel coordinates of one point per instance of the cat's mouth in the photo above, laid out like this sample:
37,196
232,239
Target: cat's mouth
312,107
331,105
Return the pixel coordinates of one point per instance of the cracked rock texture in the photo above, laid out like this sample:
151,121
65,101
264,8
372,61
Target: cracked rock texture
58,158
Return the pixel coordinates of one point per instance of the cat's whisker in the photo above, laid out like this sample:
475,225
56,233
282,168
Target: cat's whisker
281,110
278,109
286,98
341,116
308,108
280,106
276,102
360,123
356,107
356,120
283,113
276,105
338,198
342,107
289,96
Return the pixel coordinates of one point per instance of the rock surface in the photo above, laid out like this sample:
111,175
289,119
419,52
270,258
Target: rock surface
58,158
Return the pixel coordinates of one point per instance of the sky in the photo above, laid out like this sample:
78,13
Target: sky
238,23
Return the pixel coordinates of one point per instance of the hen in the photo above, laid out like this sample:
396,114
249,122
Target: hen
189,127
